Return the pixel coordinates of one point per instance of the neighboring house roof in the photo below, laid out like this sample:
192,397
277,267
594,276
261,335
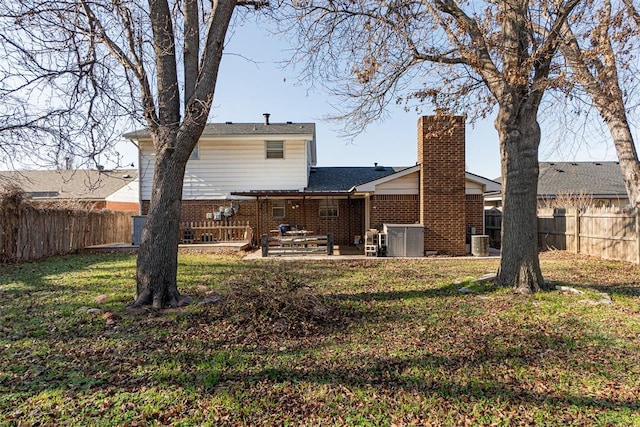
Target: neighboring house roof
600,179
128,193
79,184
243,129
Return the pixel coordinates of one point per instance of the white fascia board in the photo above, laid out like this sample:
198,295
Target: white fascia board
489,185
490,197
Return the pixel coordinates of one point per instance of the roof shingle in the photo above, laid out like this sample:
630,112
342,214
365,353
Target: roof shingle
79,184
594,178
242,129
345,178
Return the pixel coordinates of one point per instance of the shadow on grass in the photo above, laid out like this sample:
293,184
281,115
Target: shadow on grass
449,290
621,289
388,379
44,275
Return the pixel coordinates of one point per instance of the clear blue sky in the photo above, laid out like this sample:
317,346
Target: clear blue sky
252,82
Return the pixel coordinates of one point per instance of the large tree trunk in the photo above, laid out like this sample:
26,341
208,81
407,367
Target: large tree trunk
157,264
626,150
603,86
519,135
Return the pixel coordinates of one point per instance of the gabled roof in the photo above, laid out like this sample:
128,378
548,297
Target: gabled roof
78,184
489,185
592,178
243,129
371,184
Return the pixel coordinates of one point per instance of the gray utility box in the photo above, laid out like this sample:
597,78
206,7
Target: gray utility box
137,224
404,240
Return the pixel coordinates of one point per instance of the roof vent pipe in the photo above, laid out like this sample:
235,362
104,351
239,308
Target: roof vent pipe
266,118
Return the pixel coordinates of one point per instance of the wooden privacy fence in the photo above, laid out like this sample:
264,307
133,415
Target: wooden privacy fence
214,231
31,232
603,232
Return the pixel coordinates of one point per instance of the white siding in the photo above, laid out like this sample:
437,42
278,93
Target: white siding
407,184
231,165
472,187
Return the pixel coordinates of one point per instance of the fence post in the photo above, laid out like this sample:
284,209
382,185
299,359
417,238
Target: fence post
330,244
264,242
576,216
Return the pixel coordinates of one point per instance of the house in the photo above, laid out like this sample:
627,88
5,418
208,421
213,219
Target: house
564,185
92,189
560,184
266,174
598,183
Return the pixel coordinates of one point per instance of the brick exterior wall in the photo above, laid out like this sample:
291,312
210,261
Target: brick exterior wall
348,223
474,215
299,213
305,214
441,145
394,209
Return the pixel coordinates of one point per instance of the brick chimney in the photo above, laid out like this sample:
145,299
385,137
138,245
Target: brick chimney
441,147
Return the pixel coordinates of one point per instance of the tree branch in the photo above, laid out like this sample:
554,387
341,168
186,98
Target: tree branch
191,53
200,102
165,61
479,58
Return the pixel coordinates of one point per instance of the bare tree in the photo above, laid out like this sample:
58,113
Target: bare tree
157,61
601,57
467,56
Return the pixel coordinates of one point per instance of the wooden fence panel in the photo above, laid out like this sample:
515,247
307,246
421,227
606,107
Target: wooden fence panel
602,232
31,232
557,229
609,233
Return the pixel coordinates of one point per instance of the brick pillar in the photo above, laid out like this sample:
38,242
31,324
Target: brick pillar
441,145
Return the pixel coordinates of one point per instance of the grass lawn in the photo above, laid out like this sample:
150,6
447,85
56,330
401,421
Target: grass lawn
367,342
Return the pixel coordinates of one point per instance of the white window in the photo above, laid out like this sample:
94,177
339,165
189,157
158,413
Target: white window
328,208
277,208
195,154
275,150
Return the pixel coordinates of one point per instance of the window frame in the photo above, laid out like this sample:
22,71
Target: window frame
281,206
271,150
328,208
